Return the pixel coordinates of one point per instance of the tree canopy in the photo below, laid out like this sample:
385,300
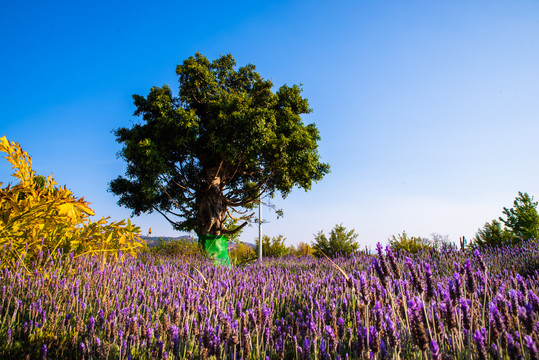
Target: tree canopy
411,244
206,155
521,223
522,219
274,246
340,242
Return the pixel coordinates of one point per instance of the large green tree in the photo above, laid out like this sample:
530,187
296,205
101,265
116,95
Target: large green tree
521,222
206,155
522,219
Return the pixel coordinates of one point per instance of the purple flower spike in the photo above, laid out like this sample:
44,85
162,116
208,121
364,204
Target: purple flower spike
393,262
470,282
479,337
532,348
466,314
428,277
174,332
479,258
100,316
456,289
435,350
306,346
513,347
322,347
91,325
331,336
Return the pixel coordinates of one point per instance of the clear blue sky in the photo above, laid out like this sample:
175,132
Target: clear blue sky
428,110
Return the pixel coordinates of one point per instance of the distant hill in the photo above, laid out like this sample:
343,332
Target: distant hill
233,245
152,241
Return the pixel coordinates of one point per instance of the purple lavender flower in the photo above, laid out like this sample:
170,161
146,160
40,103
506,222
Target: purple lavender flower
383,350
380,272
383,263
91,325
419,336
526,316
306,346
101,317
479,258
470,282
174,334
456,289
364,287
331,337
374,340
428,277
392,334
435,350
466,314
416,281
479,337
322,347
513,347
532,348
340,324
246,343
393,262
44,352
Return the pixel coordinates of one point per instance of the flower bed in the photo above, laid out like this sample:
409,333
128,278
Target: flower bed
438,304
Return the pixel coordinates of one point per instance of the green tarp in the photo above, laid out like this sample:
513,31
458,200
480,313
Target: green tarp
215,246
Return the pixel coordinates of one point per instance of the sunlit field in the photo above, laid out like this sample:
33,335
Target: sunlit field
440,304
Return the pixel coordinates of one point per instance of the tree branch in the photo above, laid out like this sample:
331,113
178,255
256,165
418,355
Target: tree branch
182,174
162,213
227,231
179,206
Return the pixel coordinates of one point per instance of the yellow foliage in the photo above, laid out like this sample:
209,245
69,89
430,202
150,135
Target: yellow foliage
36,217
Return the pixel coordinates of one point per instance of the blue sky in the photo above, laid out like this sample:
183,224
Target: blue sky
427,109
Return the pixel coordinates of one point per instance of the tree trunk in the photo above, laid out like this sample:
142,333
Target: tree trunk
211,207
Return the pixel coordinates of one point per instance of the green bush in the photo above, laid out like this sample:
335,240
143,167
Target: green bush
177,247
242,253
274,246
410,244
340,242
303,249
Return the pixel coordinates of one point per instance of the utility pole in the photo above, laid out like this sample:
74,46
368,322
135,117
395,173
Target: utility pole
259,229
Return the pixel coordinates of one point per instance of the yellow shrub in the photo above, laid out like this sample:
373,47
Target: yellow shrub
37,215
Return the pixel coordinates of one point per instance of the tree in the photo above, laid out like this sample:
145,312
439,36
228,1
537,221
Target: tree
439,241
242,253
274,246
492,234
303,249
208,154
411,244
522,218
522,222
341,241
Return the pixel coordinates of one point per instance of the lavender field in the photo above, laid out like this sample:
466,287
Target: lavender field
439,304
